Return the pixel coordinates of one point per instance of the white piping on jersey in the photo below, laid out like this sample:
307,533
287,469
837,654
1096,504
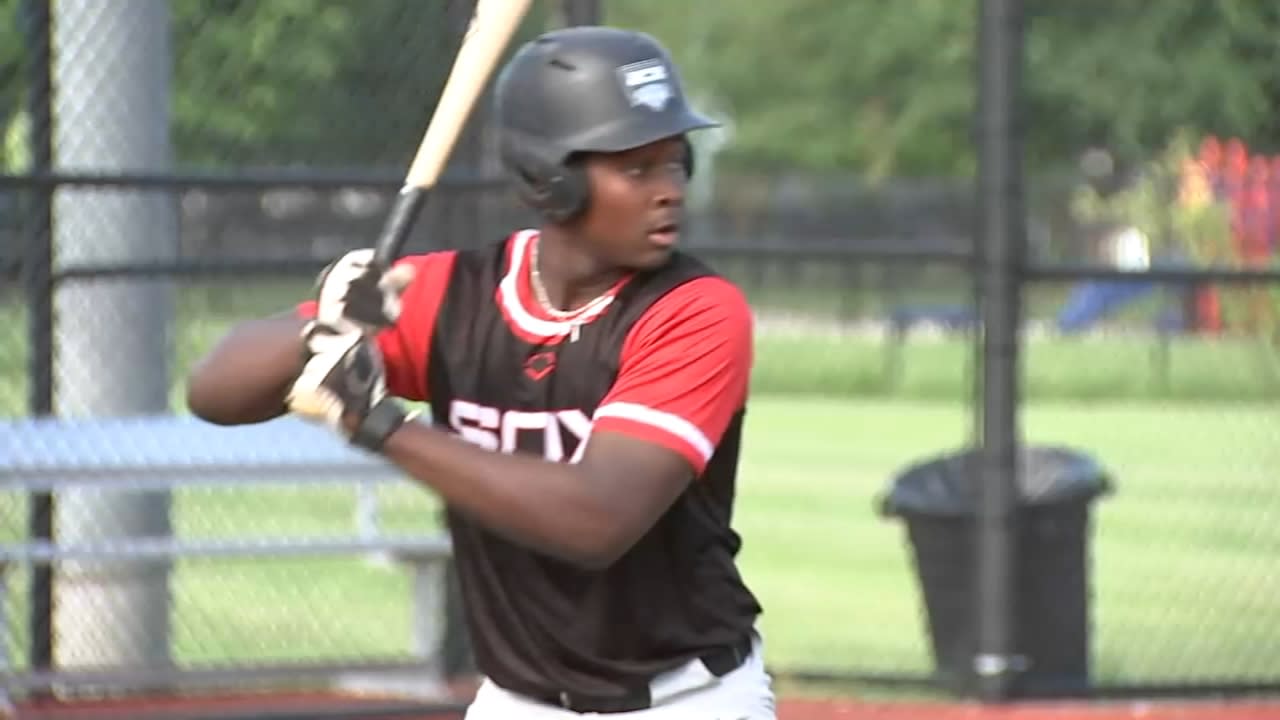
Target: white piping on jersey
510,289
673,424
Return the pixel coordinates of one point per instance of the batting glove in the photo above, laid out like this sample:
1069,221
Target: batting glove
343,386
354,294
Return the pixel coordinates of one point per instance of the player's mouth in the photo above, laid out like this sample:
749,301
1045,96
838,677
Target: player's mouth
665,234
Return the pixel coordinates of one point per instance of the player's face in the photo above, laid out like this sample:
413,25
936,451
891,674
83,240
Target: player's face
637,203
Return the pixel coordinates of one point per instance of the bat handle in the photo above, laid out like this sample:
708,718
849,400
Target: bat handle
395,231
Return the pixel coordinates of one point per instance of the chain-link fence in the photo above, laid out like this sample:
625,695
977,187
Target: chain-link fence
181,197
185,196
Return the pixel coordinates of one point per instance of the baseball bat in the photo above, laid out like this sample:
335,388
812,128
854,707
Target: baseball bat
492,25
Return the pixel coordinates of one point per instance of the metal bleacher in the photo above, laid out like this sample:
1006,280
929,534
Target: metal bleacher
52,455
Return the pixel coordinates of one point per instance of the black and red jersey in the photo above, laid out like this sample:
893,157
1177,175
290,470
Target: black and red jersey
665,356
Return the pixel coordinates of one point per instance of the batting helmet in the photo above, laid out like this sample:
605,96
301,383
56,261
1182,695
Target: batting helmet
584,89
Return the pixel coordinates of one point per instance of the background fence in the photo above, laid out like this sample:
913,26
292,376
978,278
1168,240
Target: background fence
148,205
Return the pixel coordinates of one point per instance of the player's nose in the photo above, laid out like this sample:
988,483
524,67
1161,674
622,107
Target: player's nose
670,186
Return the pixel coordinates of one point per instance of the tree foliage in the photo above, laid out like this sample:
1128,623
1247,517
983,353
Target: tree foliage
12,149
1128,75
288,82
314,81
888,88
871,88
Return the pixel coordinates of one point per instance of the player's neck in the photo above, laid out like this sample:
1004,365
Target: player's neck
571,278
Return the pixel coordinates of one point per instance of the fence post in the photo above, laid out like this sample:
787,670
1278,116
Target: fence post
581,12
112,70
38,270
6,670
1001,245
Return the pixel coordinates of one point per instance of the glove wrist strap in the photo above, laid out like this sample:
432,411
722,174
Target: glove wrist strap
382,420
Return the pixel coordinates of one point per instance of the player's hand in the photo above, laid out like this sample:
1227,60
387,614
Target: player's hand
354,294
343,386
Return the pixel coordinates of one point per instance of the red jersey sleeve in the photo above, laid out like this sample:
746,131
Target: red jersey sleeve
406,346
685,370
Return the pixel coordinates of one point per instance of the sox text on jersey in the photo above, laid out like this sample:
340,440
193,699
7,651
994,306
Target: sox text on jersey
564,432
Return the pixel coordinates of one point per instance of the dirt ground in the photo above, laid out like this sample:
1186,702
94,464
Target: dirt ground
322,707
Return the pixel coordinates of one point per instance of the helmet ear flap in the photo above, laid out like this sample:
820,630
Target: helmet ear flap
688,157
568,191
557,190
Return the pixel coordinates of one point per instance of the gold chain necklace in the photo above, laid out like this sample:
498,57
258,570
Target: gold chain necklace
540,293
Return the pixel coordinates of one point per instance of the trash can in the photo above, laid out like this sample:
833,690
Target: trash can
938,500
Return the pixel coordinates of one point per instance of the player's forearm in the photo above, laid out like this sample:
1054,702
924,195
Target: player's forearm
547,506
244,378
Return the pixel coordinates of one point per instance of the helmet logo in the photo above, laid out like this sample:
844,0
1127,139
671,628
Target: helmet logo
646,83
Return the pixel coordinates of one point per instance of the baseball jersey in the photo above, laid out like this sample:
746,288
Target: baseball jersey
664,356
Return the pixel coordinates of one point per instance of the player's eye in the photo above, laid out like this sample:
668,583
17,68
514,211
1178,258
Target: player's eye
642,170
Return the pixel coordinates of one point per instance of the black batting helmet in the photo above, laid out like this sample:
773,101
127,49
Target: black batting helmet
584,89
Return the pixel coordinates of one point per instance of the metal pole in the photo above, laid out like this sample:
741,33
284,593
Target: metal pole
581,12
38,228
1002,237
112,73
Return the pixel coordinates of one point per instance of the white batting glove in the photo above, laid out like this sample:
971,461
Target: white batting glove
353,294
343,386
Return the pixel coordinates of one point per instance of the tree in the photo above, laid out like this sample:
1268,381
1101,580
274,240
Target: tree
12,151
288,82
873,89
888,88
1130,74
315,82
807,85
299,81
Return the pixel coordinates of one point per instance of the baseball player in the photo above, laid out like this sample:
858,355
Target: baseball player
586,383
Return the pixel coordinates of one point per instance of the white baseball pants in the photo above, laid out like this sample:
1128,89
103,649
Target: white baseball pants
689,692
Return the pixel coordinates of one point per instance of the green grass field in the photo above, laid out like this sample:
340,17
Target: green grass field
808,360
1185,579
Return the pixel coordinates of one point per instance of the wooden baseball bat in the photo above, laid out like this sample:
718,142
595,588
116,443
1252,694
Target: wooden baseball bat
492,26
